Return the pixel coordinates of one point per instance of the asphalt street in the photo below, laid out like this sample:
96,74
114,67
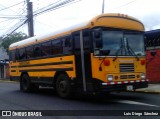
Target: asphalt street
11,98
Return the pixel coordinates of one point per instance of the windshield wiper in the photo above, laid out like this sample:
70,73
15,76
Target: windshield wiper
130,50
121,48
127,49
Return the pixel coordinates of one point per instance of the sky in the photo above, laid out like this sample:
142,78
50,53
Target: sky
147,11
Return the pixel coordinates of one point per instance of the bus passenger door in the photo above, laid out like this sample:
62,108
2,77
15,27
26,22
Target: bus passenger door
81,45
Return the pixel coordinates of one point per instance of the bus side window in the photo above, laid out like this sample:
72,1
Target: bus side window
67,45
57,46
46,48
17,54
29,52
37,51
12,56
22,54
76,39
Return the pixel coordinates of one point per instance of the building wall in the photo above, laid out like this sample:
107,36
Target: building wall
7,71
153,66
3,65
4,71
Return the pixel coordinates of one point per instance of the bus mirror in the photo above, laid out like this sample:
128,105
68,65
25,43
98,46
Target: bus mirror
98,38
153,53
97,34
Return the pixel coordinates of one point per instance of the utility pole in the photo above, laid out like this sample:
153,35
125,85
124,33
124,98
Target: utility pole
30,18
103,6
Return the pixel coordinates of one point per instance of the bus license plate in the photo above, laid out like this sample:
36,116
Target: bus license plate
130,87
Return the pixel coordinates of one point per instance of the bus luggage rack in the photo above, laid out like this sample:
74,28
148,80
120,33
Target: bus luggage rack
126,67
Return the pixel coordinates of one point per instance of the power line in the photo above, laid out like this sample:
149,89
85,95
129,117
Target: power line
4,20
50,7
12,16
47,24
10,6
20,11
124,5
54,7
15,27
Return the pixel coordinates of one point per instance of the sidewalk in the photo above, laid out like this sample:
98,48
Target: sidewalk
7,80
152,88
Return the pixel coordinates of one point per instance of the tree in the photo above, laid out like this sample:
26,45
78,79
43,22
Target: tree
12,38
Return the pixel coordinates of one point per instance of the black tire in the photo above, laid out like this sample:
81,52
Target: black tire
63,86
25,84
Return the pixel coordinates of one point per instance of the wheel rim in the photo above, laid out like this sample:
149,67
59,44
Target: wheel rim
24,83
62,86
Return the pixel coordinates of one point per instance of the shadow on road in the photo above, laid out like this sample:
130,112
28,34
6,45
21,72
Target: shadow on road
100,98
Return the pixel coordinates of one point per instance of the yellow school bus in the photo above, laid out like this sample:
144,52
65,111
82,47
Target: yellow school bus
100,55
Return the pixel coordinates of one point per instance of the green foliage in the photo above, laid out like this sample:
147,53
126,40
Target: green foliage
12,38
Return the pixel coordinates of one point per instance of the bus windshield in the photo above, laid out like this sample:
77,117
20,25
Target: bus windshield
121,43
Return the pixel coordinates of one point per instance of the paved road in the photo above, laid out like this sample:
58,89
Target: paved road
11,98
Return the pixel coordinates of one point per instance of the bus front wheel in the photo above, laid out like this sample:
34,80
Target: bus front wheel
25,84
63,86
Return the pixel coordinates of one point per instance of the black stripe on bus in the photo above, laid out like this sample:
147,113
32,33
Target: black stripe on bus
44,64
51,69
13,70
13,66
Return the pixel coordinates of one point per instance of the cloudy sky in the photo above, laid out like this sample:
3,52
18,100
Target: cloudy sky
14,11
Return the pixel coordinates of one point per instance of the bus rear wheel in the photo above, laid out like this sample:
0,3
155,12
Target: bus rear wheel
63,86
25,84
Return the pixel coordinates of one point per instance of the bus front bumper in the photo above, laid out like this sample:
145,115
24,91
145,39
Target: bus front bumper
123,87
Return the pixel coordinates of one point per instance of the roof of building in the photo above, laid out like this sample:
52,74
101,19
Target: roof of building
153,34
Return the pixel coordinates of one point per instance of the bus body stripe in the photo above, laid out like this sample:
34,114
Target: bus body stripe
51,69
44,64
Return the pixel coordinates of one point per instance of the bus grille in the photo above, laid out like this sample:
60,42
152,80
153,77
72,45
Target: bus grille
126,67
127,76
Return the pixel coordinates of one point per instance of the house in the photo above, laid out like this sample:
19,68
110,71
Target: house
152,43
4,64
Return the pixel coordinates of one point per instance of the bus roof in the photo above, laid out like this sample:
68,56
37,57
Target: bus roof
83,24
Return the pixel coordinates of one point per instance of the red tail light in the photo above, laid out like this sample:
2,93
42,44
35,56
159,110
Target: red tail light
106,62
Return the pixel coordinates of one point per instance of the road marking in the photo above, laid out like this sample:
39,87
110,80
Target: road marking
136,103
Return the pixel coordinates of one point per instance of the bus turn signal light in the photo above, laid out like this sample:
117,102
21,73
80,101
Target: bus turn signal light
106,62
143,62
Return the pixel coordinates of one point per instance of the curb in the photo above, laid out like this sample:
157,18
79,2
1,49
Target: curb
145,91
8,81
149,92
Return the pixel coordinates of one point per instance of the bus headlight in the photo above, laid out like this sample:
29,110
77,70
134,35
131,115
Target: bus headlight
110,77
143,76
